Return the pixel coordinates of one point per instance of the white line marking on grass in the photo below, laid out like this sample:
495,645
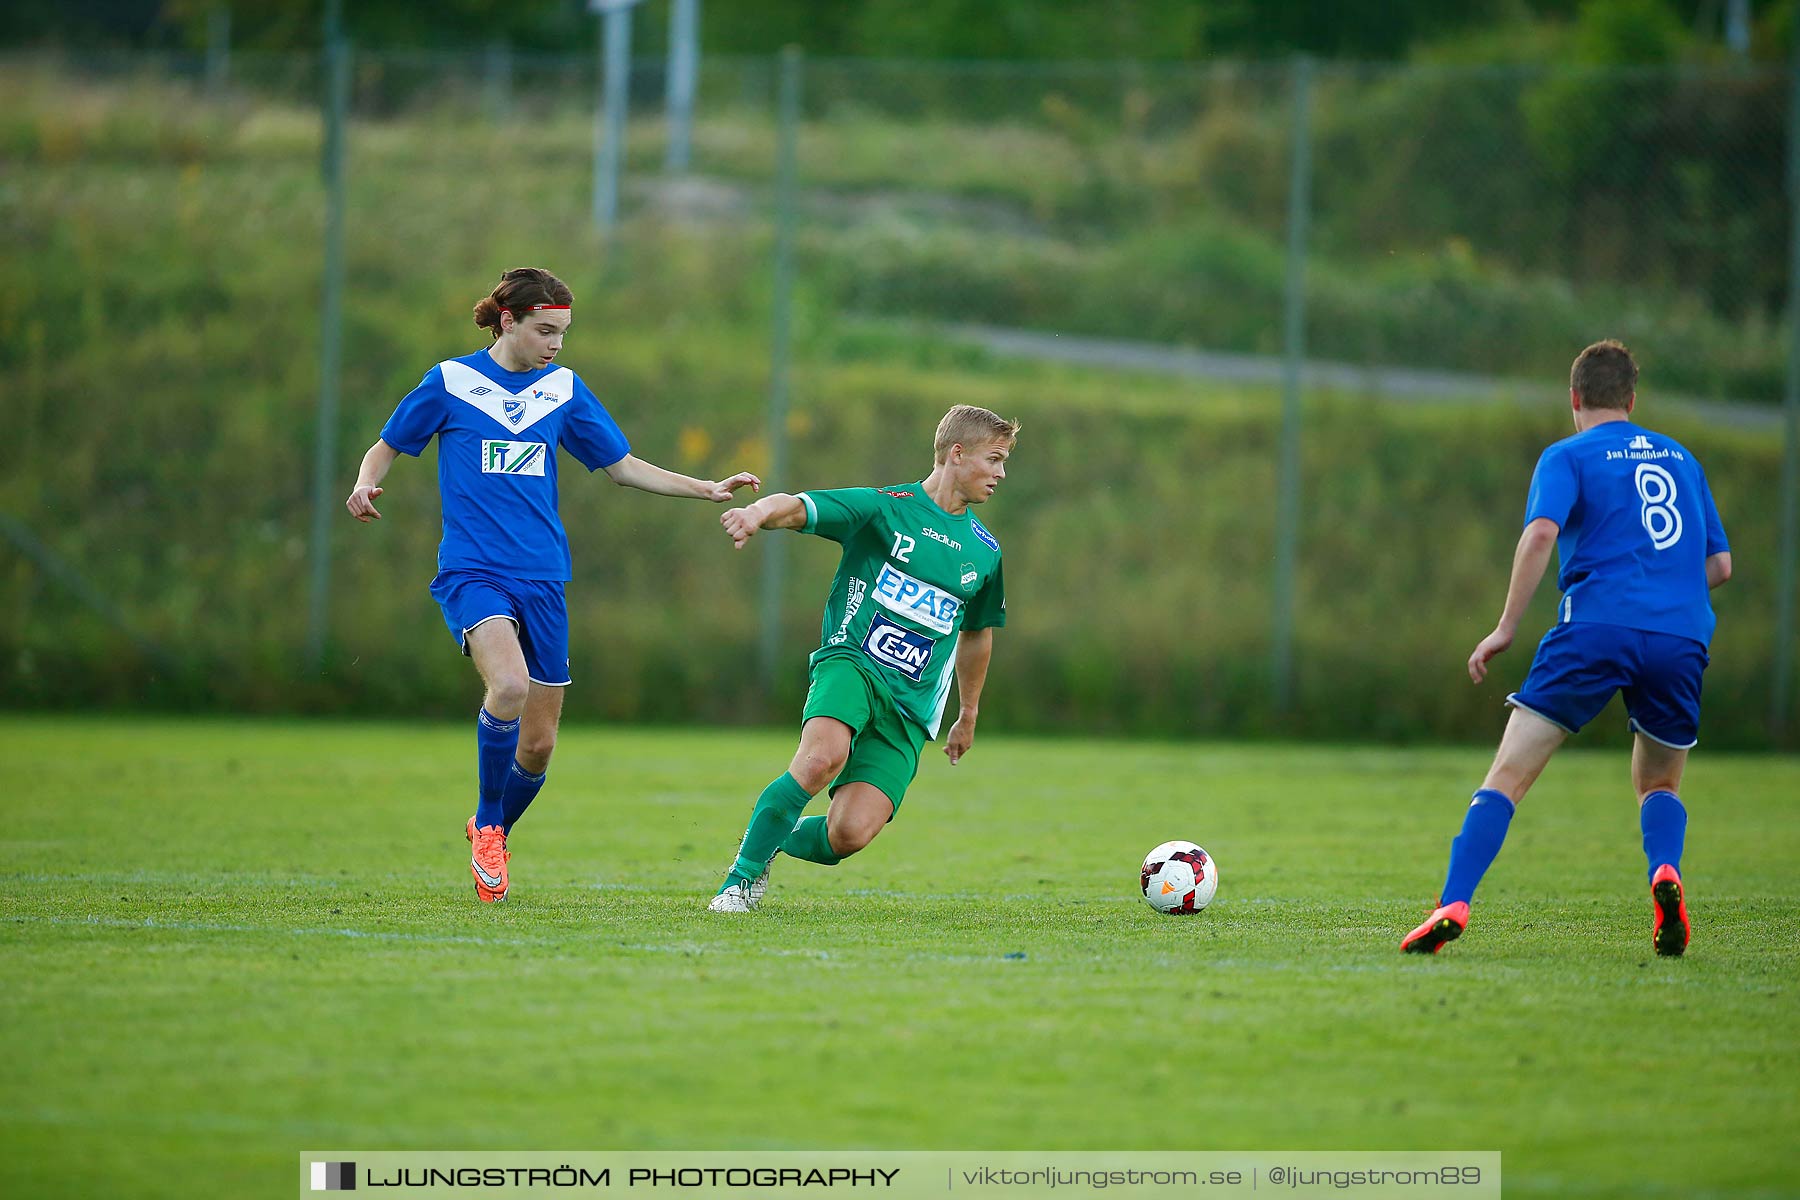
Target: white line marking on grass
687,948
318,1132
217,927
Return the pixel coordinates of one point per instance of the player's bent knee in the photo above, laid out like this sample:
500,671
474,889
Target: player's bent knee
534,752
847,837
508,693
814,770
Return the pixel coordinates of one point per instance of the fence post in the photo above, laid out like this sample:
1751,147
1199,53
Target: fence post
1287,509
497,71
1781,700
337,104
774,563
684,55
609,121
218,51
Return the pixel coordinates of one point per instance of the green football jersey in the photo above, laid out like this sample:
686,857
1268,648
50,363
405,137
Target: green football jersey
912,578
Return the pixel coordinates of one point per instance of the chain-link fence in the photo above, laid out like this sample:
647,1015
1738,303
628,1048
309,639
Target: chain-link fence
1104,251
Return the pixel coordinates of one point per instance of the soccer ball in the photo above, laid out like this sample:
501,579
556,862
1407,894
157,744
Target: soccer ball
1179,878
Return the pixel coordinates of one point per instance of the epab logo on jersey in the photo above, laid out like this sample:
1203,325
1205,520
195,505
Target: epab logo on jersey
513,458
895,646
916,600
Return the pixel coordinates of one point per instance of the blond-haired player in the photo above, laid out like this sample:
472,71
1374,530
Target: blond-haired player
916,599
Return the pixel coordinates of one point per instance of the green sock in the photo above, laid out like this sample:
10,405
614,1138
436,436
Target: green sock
809,841
771,821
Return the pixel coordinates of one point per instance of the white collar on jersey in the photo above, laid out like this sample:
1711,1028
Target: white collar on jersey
518,410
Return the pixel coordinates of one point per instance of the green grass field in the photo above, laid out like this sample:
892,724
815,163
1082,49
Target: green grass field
229,941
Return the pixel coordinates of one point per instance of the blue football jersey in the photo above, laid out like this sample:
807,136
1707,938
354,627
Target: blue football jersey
1637,524
498,432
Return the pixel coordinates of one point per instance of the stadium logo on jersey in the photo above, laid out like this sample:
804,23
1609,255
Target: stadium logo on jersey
969,577
515,410
893,646
935,536
988,539
1640,442
513,458
916,600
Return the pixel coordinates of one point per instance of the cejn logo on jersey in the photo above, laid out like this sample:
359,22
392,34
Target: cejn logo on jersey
898,647
916,600
1662,520
513,458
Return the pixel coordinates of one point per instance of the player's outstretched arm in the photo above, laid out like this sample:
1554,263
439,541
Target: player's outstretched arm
776,511
1529,561
374,469
634,472
973,651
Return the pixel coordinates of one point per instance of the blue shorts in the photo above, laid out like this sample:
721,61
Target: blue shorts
1580,665
534,606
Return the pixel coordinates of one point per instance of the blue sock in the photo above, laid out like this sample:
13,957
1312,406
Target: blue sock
1665,829
521,789
495,743
1473,851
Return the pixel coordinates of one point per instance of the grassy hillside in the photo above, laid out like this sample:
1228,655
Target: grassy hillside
162,368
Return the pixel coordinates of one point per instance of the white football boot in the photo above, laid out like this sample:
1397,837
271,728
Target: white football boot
734,899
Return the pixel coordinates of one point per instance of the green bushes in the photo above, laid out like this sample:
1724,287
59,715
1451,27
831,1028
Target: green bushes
161,379
1218,285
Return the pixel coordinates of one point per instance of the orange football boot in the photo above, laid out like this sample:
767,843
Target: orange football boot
1444,925
1670,933
487,861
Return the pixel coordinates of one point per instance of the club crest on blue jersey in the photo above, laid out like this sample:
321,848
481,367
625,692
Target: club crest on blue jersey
515,411
895,646
916,600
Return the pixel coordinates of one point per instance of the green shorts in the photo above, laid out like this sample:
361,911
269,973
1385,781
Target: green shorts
884,744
